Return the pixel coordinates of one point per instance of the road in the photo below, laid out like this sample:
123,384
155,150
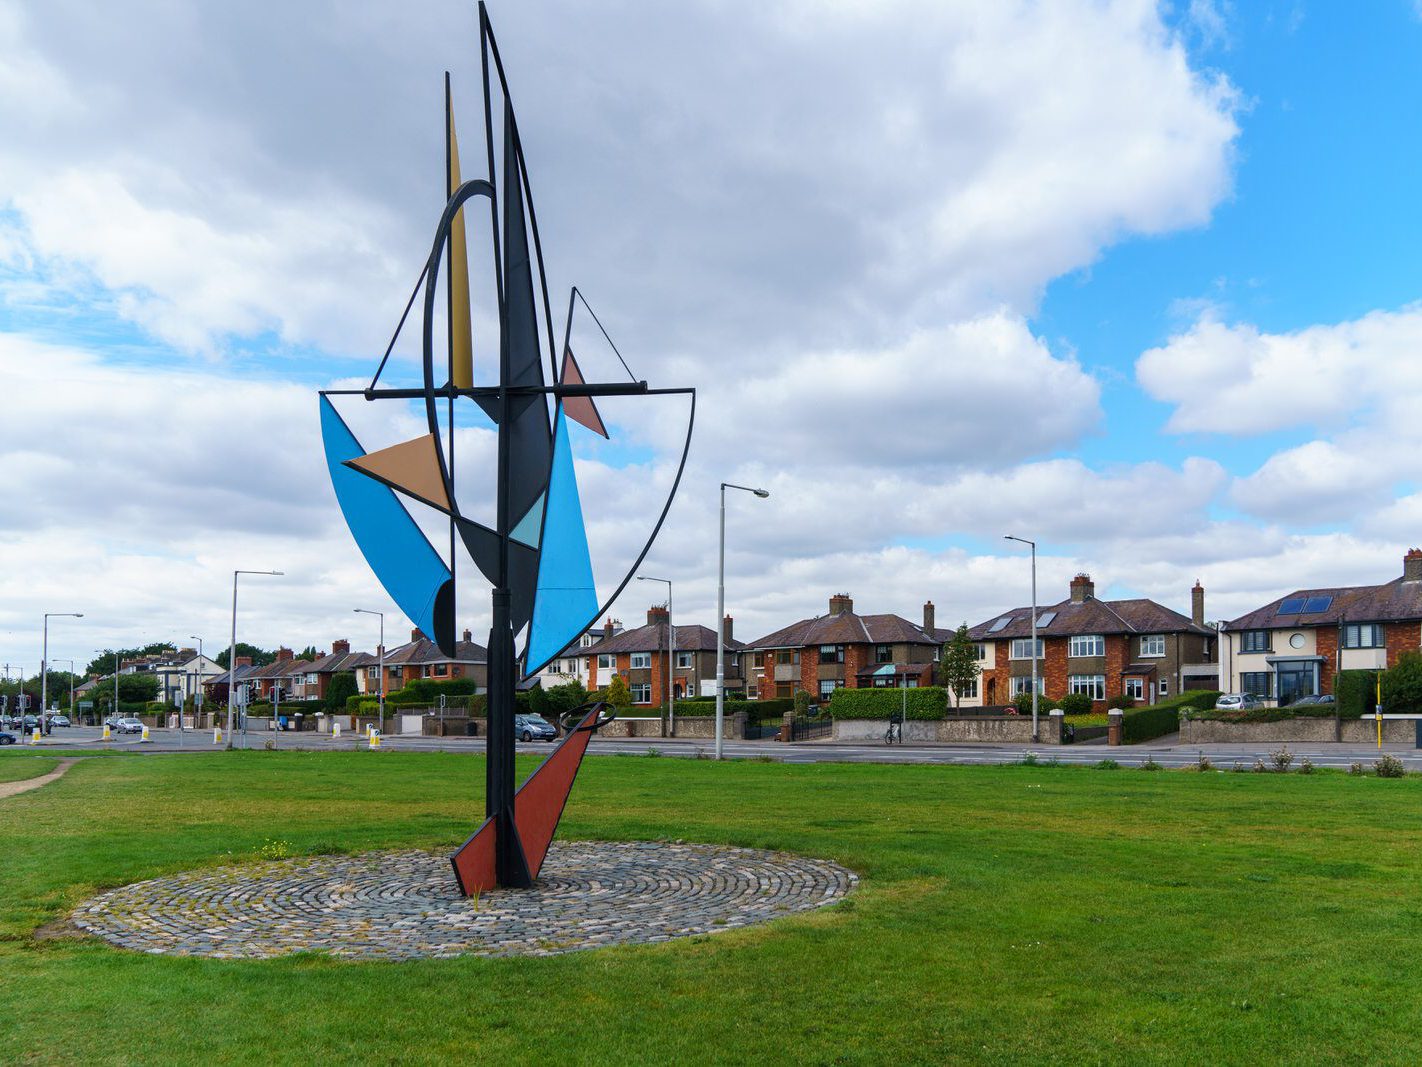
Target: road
1166,752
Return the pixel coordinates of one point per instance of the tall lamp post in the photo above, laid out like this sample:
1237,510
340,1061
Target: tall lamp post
1033,545
232,653
721,612
671,656
71,682
197,688
44,657
380,661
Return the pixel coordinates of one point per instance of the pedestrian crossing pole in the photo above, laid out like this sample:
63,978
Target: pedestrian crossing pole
1379,709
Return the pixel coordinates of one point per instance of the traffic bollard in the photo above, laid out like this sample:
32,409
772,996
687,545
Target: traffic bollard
35,737
217,735
107,735
335,729
144,736
374,739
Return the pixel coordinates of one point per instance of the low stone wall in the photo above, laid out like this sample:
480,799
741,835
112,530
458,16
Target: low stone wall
967,729
1302,731
452,726
733,726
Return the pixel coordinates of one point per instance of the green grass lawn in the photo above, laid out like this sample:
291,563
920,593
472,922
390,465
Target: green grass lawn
1006,914
15,766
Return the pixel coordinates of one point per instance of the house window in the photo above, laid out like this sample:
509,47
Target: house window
1022,683
1153,645
969,689
787,657
831,653
1256,683
441,670
1087,645
980,651
1366,635
754,691
683,659
1135,688
1162,687
1254,641
641,660
883,653
604,663
1093,685
1022,648
641,692
828,686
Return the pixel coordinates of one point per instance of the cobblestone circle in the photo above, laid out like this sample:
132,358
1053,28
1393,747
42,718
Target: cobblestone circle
405,905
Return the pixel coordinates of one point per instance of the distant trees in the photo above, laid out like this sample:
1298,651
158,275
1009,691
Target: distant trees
260,656
340,687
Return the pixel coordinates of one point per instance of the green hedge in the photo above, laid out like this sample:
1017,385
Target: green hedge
1356,693
929,702
403,698
1145,724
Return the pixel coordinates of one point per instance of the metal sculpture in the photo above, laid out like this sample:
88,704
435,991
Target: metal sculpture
535,555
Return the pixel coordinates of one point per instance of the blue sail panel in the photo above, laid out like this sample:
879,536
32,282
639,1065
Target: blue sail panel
397,550
566,598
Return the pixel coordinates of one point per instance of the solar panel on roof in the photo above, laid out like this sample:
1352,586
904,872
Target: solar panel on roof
1293,605
1046,618
1000,624
1317,603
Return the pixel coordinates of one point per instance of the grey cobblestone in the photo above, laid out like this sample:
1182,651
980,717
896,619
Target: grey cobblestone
405,905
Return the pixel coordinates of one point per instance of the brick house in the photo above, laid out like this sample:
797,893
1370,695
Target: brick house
285,673
316,677
1103,648
640,657
842,649
421,658
1294,646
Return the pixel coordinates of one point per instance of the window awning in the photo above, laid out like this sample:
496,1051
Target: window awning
1295,659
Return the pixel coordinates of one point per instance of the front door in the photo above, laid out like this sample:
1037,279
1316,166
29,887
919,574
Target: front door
1294,680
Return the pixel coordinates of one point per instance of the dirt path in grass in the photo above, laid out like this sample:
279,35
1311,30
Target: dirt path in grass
24,785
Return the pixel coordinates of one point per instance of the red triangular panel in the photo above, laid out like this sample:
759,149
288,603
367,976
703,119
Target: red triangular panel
580,409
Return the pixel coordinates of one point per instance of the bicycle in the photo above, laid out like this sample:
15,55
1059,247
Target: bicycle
895,733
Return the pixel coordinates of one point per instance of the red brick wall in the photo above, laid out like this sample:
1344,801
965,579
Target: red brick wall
1327,647
856,658
1118,654
1053,666
809,671
1400,637
1001,676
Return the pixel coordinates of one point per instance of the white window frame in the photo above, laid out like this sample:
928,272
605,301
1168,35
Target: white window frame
639,661
1093,685
1086,646
969,690
606,662
1022,683
1155,647
1021,648
980,650
828,686
1162,687
686,660
1135,688
641,692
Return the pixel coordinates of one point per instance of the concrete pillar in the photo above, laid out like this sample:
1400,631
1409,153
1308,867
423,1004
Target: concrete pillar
1055,732
1114,719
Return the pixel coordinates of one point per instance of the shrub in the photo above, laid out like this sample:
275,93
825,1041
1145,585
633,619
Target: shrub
1306,766
1108,765
1282,759
930,702
802,703
1023,704
1204,764
1356,769
1146,724
1402,685
1150,764
1073,704
1355,693
340,689
1029,760
1389,766
427,688
1259,766
1124,702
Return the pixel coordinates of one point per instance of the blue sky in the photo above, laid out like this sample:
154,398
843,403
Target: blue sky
1135,279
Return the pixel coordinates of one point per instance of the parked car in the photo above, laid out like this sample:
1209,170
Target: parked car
60,720
529,727
7,739
1325,699
127,725
1238,702
28,723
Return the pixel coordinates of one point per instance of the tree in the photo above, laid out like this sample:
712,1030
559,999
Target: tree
958,663
133,689
108,660
260,656
340,687
1402,685
617,694
309,654
567,696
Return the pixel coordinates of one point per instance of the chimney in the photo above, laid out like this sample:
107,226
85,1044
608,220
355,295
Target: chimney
244,661
468,636
607,631
1082,589
1197,602
841,602
417,634
283,655
657,615
928,626
726,627
341,648
1412,565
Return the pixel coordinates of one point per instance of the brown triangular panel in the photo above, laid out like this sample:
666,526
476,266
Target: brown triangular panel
411,467
580,409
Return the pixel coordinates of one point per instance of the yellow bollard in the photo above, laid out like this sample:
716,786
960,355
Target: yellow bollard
107,735
144,736
35,737
374,739
335,729
217,735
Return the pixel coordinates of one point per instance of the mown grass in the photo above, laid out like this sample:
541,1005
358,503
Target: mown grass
15,766
1007,914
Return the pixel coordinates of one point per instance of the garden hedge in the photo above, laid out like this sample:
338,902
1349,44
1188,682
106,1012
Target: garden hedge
929,702
1146,724
1356,693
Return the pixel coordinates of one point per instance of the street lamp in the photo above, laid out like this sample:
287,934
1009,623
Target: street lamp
44,656
671,656
380,660
232,655
71,682
197,689
1033,544
721,612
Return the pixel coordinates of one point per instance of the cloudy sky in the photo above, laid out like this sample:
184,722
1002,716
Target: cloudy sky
1137,280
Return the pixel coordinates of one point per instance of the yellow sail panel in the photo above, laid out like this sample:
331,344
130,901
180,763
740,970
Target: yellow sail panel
461,333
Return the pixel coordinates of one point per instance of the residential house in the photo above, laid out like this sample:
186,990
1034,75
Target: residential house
843,649
181,672
572,663
1293,646
316,678
640,657
422,658
1103,648
215,686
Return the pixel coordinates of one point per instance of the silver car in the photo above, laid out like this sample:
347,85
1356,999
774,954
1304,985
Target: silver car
1238,702
129,726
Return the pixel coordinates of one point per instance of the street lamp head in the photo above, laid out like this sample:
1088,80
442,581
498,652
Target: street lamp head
762,493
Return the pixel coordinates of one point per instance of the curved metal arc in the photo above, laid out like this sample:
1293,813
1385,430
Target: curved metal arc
470,189
532,669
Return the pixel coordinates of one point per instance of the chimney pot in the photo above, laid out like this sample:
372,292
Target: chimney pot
928,619
726,627
244,661
1197,604
1082,589
417,634
841,602
468,636
340,647
607,631
657,614
1412,565
283,655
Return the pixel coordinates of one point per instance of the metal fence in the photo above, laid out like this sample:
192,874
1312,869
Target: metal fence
811,729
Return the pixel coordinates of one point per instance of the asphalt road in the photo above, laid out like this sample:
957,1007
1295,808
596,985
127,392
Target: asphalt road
1165,752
